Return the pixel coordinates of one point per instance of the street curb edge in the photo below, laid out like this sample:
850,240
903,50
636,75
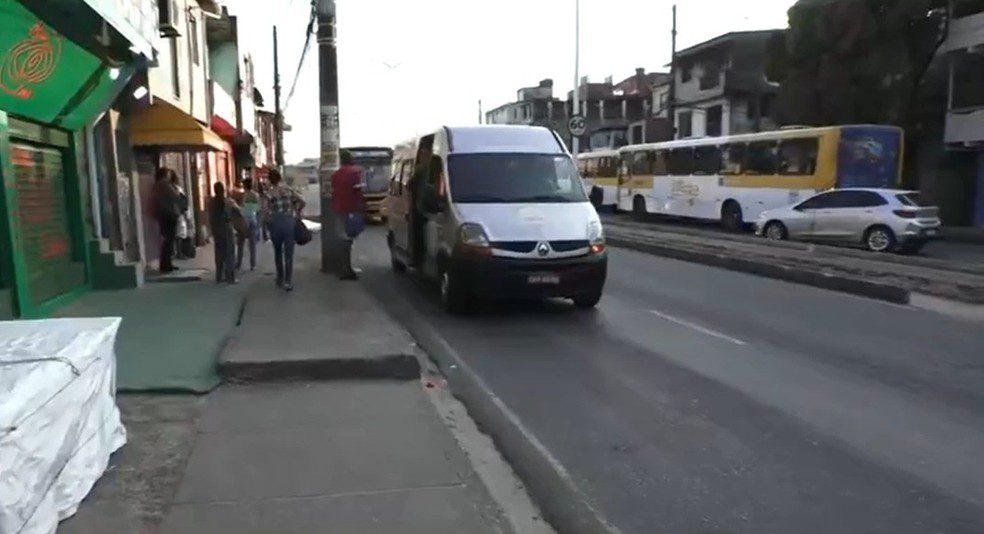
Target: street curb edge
843,284
394,367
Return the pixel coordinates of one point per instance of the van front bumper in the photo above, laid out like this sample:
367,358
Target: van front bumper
493,277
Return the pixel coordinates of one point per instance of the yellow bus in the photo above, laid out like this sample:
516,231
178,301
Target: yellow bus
735,178
599,170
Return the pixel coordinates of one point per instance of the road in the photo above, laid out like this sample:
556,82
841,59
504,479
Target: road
702,400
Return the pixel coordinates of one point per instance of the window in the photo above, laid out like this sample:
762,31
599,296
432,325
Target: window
642,163
685,124
707,160
591,167
711,77
761,158
860,199
968,81
685,73
732,159
519,178
175,70
681,161
821,201
607,166
660,163
798,156
715,120
911,199
193,39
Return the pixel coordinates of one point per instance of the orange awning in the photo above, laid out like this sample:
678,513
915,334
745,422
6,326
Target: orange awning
165,125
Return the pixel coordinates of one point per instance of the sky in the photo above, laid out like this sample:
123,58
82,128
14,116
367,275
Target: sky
410,66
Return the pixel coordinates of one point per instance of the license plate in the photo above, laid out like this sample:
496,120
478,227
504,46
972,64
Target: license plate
543,279
930,232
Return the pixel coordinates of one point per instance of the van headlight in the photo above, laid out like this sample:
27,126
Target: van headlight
596,237
473,234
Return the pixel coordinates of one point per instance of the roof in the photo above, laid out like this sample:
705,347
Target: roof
504,138
722,39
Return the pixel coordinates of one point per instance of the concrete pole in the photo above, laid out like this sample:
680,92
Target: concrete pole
671,104
328,81
278,114
576,109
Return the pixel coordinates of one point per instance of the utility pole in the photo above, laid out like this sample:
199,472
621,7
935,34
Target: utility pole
278,113
576,109
671,104
328,82
480,111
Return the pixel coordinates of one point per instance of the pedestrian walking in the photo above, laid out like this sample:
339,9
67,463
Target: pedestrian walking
251,207
347,206
182,232
283,208
221,211
166,208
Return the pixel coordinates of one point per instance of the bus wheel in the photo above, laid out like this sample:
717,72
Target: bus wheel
731,216
639,206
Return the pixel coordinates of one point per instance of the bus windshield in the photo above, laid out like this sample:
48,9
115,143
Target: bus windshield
376,165
514,178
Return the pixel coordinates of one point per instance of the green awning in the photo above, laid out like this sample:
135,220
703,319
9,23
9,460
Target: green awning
48,78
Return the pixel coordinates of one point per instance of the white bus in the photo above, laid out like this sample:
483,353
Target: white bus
733,179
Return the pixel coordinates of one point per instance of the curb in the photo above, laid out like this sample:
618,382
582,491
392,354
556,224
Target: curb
393,367
843,284
563,505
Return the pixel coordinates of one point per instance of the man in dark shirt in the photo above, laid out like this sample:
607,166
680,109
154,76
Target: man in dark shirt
347,205
167,209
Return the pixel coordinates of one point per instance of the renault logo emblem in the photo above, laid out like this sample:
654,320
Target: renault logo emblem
543,249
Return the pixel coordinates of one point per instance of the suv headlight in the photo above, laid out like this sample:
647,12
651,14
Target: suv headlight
473,235
596,237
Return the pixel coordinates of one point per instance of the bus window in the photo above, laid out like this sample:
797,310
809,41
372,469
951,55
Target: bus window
761,158
590,168
707,160
641,165
798,156
659,162
732,159
681,161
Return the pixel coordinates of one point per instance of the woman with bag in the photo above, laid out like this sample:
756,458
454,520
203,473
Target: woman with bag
283,209
348,206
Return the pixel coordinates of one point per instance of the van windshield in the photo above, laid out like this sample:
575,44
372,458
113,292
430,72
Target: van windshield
515,178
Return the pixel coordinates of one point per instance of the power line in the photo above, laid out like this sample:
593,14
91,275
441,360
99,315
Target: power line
307,45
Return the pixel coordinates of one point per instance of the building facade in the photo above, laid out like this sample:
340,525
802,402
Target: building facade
63,64
721,86
534,105
963,134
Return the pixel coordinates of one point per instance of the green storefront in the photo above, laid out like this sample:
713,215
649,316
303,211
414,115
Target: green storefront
50,88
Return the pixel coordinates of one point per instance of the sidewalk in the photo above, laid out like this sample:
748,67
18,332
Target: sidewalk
299,455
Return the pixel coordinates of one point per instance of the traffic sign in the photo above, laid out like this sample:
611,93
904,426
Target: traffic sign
577,126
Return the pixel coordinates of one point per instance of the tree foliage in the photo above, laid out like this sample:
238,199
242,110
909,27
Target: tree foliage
855,61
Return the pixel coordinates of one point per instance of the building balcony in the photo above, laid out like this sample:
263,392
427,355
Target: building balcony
964,128
965,33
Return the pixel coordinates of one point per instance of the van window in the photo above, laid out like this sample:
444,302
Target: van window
681,161
761,158
514,178
707,160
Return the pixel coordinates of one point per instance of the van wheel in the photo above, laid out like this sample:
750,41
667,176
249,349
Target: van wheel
639,206
454,297
879,239
732,218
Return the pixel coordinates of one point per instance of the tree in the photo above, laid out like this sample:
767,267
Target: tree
855,61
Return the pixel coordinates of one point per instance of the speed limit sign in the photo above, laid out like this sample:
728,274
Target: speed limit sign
576,125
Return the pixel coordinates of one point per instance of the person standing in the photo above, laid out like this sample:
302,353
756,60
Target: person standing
220,218
166,207
251,214
182,230
347,205
283,207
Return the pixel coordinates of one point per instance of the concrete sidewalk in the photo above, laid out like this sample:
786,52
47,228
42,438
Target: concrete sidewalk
299,455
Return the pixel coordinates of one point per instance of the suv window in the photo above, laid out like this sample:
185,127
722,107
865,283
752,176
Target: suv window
862,199
822,201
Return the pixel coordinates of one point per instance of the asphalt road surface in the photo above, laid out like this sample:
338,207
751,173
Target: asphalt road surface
701,400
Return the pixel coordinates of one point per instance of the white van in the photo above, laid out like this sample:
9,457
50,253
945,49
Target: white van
495,212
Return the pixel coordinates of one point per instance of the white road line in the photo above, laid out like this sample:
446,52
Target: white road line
698,328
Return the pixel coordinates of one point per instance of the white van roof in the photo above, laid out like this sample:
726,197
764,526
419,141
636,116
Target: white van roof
504,138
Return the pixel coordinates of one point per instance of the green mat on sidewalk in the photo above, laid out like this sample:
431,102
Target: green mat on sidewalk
171,333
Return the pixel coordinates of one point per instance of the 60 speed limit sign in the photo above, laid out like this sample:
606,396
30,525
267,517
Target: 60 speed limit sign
576,125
